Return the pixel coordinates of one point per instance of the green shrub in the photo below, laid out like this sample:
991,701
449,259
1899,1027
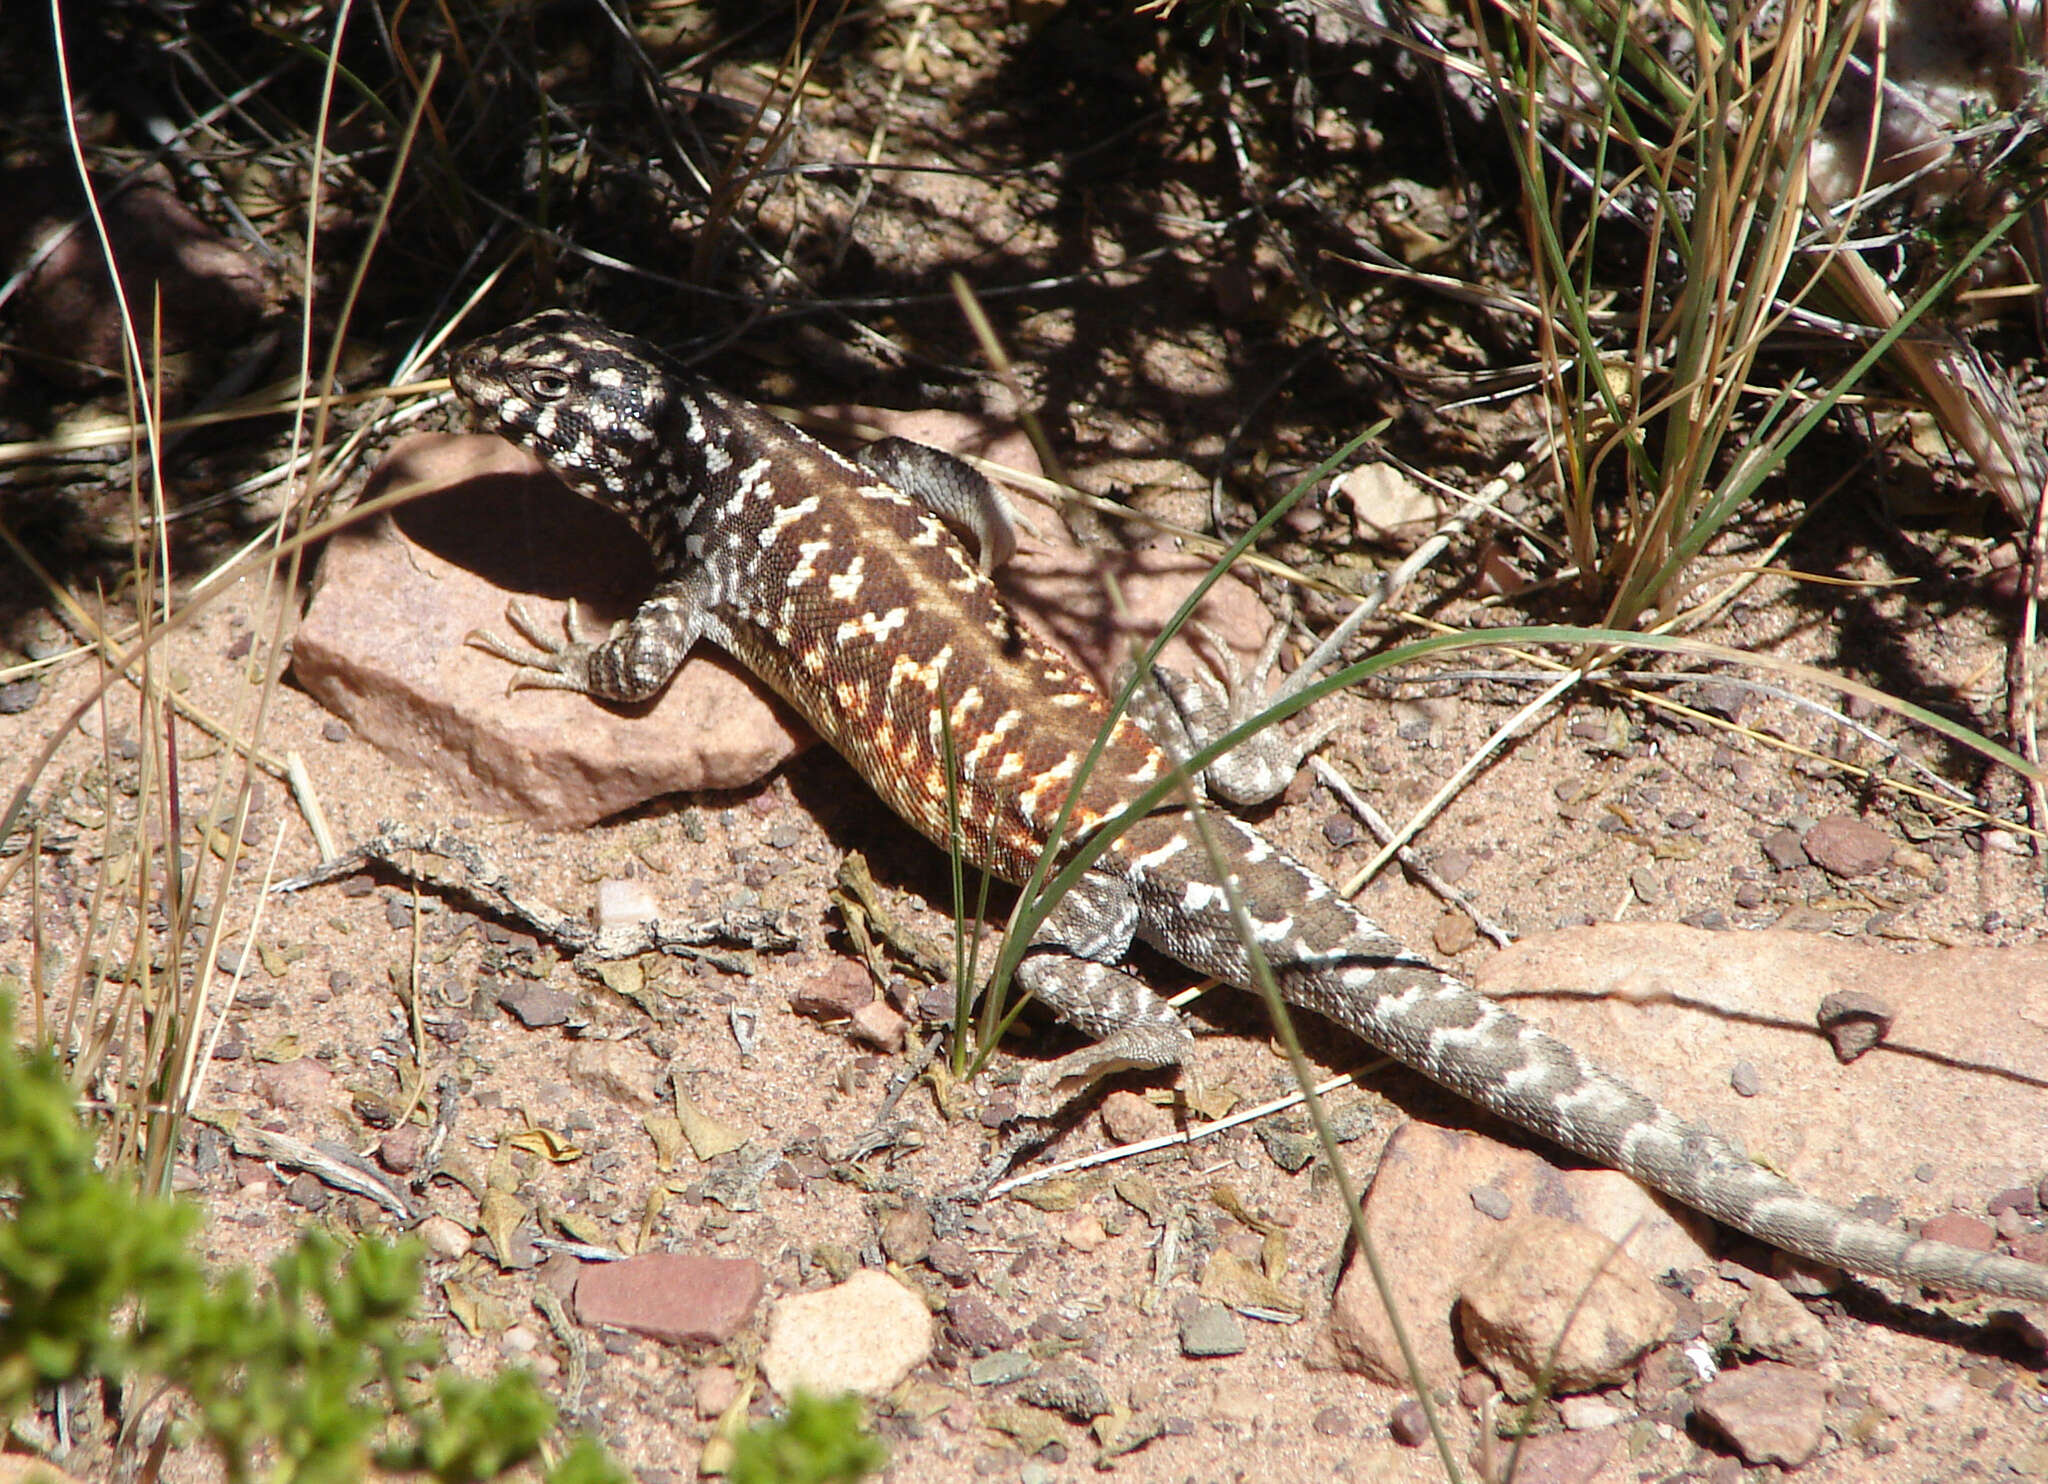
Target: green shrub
307,1377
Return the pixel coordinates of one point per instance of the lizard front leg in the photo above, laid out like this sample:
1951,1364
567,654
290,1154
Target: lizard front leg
633,663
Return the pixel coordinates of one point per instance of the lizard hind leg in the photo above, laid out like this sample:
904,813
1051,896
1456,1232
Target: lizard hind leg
1185,713
1070,969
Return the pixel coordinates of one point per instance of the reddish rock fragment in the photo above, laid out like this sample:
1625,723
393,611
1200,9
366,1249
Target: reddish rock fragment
671,1296
1848,847
842,988
880,1026
1771,1413
974,1324
1564,1457
297,1085
1959,1230
1557,1309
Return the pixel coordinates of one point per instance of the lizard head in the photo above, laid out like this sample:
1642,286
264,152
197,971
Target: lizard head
589,401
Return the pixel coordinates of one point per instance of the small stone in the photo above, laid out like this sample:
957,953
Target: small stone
878,1024
1388,507
307,1193
297,1085
1340,830
1584,1413
714,1389
999,1369
1129,1118
1454,933
835,994
1845,846
2022,1199
1408,1423
1333,1422
445,1238
1557,1309
907,1235
1084,1232
671,1296
16,696
1959,1230
535,1006
1775,1325
399,1151
1771,1413
1744,1078
951,1260
865,1335
1571,1457
1915,862
1212,1330
623,904
1070,1390
973,1324
1497,1204
620,1071
1723,698
1783,849
1854,1022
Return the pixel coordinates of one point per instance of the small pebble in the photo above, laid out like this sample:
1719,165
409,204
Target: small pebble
1409,1424
1212,1330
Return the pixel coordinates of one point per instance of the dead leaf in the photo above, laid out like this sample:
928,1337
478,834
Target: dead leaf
499,1215
1229,1279
463,1302
1226,1196
479,1312
1139,1191
1032,1429
667,1132
581,1226
548,1144
708,1137
624,976
1049,1195
285,1048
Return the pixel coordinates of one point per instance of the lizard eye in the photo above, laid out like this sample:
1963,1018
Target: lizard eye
549,386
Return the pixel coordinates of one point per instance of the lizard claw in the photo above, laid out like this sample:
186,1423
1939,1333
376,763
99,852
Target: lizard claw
550,664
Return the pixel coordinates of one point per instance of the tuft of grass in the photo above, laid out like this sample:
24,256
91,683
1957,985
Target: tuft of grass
1687,154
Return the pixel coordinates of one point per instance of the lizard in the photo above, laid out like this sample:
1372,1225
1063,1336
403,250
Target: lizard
849,588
